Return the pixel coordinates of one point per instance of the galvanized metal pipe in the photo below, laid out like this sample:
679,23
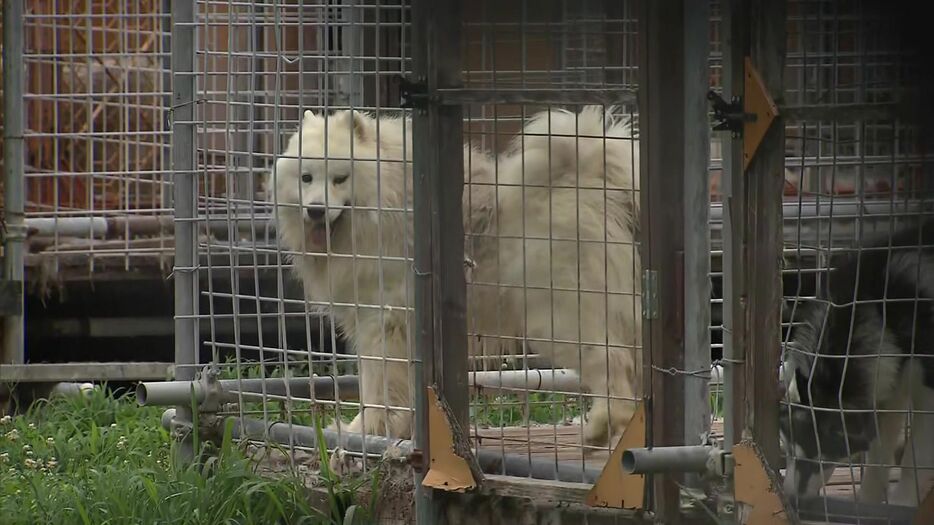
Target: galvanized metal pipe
166,393
560,379
68,226
667,459
491,461
133,225
185,194
13,345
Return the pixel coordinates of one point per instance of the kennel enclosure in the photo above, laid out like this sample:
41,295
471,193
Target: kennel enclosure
148,135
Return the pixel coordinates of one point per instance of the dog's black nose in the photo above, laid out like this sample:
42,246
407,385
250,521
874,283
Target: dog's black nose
315,213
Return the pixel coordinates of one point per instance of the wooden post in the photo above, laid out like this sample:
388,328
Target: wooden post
753,233
672,124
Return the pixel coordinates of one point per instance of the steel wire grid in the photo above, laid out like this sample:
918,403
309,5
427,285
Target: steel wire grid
525,47
850,181
96,100
853,184
259,66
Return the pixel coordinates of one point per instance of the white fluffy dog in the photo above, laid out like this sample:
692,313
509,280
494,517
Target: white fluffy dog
551,227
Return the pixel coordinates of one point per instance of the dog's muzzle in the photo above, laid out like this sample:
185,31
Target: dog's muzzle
316,213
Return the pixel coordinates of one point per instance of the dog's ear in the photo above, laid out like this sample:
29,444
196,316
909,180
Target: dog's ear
359,122
309,117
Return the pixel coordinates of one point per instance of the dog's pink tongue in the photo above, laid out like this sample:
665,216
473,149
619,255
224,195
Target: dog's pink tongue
319,235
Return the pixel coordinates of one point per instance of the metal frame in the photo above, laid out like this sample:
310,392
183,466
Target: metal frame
47,245
183,175
675,207
14,230
755,232
440,287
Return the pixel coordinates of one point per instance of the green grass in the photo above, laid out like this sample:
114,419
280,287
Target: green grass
502,410
512,410
100,460
297,412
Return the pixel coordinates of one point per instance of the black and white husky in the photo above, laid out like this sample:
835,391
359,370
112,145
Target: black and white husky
859,372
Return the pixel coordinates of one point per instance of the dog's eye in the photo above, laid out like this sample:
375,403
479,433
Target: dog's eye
340,180
306,178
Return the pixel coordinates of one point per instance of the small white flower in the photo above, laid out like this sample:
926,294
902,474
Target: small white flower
52,463
29,453
5,420
30,463
12,435
50,441
4,457
32,426
113,425
26,448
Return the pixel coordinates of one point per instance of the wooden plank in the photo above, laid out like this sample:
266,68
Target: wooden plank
558,491
558,442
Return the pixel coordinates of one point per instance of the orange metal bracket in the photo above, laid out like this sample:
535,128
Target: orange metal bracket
756,488
614,488
758,102
449,465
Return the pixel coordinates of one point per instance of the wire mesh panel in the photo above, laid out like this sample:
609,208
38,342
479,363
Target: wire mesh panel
304,236
554,312
304,214
96,139
857,364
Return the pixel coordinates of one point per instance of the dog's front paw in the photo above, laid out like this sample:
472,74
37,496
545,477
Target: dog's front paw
595,433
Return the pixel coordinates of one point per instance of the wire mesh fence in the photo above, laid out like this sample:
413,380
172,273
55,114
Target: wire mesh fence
856,206
292,267
556,262
299,286
96,98
280,158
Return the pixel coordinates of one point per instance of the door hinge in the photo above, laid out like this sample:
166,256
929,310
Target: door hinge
650,294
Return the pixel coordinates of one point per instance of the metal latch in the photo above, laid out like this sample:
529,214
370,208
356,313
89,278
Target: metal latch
729,116
414,94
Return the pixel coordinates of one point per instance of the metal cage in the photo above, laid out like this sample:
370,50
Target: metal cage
495,247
